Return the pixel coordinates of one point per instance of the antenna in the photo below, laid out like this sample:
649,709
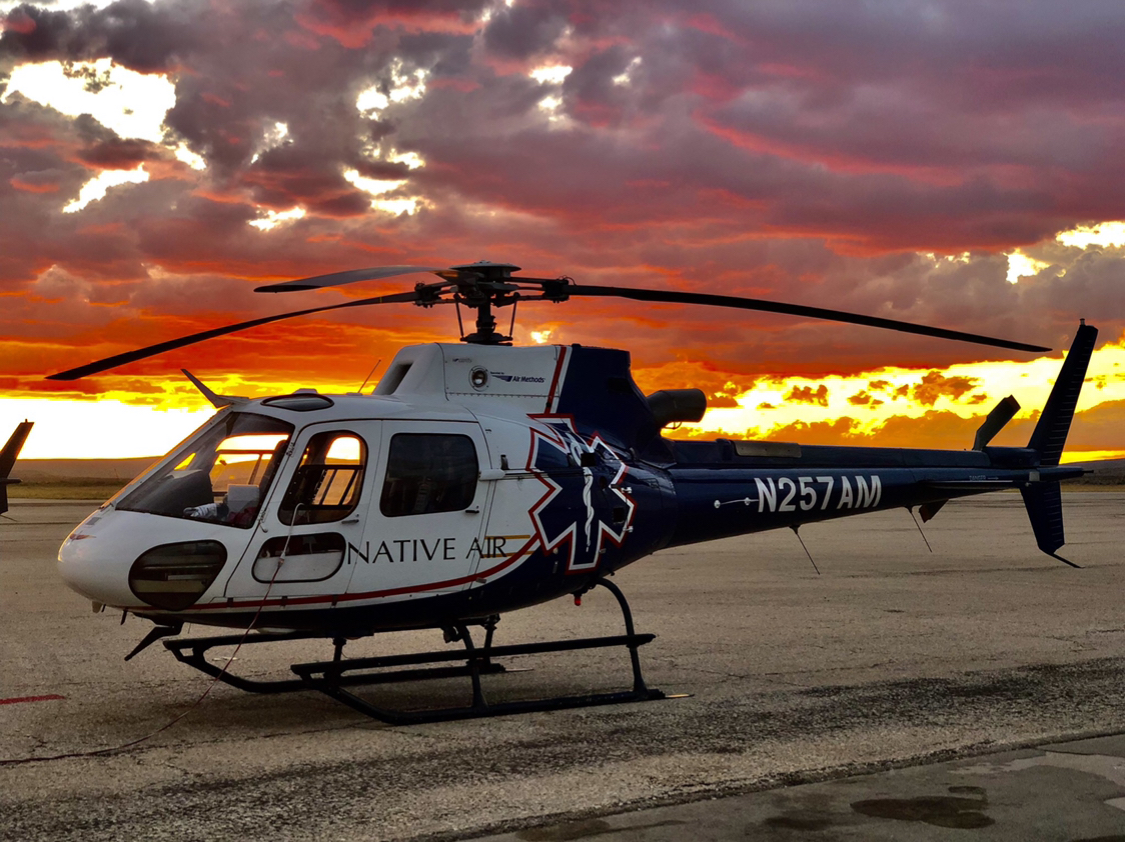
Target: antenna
920,532
796,531
370,374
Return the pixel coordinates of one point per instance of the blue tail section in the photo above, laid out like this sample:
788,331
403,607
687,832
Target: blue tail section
1043,499
1050,433
1044,510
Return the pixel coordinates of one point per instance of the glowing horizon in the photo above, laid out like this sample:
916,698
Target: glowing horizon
152,182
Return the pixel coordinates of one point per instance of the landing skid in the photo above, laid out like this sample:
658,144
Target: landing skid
332,677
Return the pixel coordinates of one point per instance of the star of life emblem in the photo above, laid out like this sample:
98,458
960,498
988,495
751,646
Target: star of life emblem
585,509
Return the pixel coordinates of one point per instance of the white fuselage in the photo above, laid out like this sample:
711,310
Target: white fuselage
307,502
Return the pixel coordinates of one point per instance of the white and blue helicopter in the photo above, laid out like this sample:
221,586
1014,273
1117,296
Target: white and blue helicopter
479,478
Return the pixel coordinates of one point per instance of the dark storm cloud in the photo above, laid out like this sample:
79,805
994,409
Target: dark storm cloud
796,150
525,29
146,37
118,154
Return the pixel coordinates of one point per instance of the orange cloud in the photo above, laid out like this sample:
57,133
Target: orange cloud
864,399
30,183
935,385
806,394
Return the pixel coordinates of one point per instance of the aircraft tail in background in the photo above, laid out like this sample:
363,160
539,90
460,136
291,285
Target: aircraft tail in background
8,459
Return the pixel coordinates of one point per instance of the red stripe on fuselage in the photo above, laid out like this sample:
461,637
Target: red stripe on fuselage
555,379
50,698
352,597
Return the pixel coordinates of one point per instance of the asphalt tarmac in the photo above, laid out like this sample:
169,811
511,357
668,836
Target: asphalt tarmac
967,673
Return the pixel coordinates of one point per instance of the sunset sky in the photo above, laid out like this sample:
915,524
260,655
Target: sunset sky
960,164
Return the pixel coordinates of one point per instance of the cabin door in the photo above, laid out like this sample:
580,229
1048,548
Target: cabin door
314,513
427,511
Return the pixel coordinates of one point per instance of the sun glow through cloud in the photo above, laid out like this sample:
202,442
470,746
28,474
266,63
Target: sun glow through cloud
551,75
132,104
378,188
272,137
1102,234
372,101
870,399
1022,266
274,218
97,187
185,155
626,76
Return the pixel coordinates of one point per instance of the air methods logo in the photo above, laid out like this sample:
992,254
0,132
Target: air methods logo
585,508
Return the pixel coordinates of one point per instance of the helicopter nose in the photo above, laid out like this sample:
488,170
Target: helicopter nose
135,560
95,577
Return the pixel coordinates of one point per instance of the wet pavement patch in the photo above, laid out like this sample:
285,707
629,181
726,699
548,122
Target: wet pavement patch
790,822
583,829
952,811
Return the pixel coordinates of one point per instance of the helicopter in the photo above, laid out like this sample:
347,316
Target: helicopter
8,458
479,478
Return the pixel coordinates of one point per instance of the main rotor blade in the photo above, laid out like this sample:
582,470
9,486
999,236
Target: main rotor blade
352,276
670,297
172,344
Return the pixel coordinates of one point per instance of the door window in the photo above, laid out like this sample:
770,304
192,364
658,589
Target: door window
312,557
429,473
326,485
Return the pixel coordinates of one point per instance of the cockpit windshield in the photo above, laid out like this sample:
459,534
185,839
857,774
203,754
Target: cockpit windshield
220,477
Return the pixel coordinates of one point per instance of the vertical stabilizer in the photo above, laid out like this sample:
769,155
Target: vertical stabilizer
1050,433
1044,510
8,459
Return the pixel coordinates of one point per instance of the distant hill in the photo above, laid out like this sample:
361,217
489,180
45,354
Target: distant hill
1105,472
70,470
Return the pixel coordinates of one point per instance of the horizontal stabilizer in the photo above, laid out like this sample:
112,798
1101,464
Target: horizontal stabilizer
1001,414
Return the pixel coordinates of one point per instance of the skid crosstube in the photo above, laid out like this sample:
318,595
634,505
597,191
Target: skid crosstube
332,677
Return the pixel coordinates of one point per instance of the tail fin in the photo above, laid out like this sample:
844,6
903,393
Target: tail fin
1050,433
1044,510
1043,500
8,459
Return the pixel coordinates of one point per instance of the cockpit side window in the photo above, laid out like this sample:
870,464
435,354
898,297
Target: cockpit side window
429,473
326,485
219,477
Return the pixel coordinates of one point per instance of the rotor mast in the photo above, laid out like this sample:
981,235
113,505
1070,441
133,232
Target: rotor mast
482,286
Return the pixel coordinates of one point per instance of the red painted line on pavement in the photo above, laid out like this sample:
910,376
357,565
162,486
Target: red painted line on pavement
50,698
